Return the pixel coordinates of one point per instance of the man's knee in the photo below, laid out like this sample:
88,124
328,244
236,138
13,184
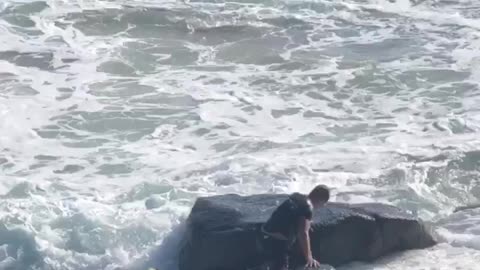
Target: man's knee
274,267
280,264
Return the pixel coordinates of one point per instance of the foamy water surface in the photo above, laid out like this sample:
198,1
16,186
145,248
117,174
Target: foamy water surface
116,115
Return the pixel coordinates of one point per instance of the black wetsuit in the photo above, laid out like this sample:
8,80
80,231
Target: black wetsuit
285,220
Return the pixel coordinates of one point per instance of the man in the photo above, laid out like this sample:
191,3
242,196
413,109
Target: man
291,222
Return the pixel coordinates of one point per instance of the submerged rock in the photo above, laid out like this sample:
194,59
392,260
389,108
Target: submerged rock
222,232
154,202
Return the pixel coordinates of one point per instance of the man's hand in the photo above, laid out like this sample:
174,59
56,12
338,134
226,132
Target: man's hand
304,239
312,263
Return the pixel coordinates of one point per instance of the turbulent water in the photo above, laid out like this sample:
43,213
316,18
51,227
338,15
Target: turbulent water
116,115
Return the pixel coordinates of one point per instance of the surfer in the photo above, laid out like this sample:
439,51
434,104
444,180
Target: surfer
290,222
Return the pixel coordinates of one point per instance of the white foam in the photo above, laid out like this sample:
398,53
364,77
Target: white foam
461,229
242,128
442,257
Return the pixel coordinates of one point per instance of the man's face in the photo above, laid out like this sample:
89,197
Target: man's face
318,203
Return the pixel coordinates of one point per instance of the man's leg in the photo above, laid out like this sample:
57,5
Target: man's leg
280,263
279,258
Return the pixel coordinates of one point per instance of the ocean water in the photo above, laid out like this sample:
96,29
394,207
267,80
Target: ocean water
116,115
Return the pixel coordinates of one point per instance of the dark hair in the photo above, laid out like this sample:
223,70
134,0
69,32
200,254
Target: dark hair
320,192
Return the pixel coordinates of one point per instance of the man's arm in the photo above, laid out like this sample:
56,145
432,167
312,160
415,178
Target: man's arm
304,239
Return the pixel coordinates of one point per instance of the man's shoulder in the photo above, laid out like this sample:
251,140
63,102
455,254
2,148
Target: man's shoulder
302,203
298,196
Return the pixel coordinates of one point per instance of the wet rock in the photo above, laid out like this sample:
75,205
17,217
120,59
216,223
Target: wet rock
222,232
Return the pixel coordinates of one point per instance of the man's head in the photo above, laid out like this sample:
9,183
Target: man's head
319,196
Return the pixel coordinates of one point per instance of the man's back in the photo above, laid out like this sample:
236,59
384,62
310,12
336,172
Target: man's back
285,219
291,222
